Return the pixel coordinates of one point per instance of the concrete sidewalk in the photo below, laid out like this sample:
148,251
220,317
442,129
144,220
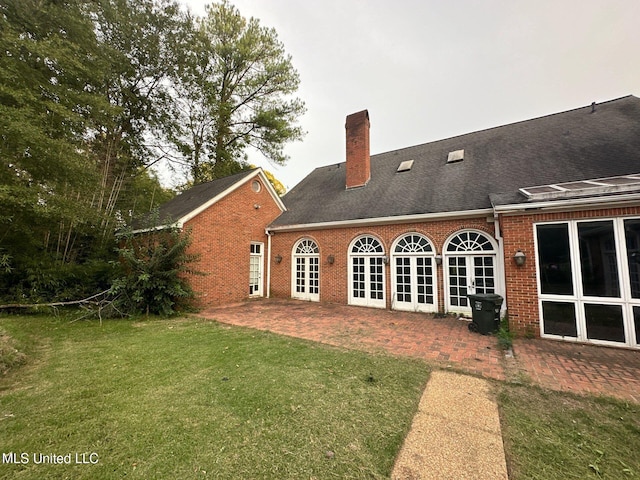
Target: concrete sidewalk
455,434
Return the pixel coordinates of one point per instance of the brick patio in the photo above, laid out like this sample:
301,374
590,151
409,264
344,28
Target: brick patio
446,342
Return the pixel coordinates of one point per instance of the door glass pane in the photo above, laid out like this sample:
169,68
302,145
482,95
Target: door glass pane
358,277
632,236
403,279
458,281
554,259
483,273
424,280
300,275
636,323
376,272
559,319
604,322
598,259
314,275
254,274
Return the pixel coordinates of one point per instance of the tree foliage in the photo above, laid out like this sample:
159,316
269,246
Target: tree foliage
93,93
234,91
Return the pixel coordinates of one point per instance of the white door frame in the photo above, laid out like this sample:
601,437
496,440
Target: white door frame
256,269
305,253
469,255
369,256
413,253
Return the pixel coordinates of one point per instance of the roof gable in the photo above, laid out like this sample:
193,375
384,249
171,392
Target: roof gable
198,198
579,144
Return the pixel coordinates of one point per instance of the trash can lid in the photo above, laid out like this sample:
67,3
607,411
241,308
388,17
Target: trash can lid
485,296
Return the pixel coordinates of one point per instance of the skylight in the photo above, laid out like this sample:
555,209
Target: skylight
405,166
620,184
455,156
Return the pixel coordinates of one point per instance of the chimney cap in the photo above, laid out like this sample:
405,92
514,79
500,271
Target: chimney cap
358,117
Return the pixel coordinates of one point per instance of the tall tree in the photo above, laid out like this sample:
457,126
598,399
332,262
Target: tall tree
234,90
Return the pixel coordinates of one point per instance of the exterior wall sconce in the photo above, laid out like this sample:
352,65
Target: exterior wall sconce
438,259
278,258
385,259
331,259
520,258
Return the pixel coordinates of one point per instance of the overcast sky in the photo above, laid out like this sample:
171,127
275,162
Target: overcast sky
428,70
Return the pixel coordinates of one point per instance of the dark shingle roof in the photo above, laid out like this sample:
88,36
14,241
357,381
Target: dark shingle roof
572,145
196,196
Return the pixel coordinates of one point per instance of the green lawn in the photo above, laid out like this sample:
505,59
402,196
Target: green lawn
557,436
178,399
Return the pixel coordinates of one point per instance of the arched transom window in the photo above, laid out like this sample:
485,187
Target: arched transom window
366,245
307,247
413,243
470,241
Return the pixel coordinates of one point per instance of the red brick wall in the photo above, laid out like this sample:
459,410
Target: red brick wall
521,282
334,278
222,235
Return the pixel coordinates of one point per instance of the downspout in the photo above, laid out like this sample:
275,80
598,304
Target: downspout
498,235
269,235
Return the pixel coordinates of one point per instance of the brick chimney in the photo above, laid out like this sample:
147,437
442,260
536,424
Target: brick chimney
358,158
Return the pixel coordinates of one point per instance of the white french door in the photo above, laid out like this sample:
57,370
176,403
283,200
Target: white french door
307,278
470,261
366,273
414,274
255,270
305,275
414,279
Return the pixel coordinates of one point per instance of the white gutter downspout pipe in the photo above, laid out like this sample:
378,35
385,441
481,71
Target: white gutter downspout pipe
269,235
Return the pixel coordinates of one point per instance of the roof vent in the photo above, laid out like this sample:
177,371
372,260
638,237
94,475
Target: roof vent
405,166
455,156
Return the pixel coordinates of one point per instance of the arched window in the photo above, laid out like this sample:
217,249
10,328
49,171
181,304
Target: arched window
306,270
307,247
414,274
470,241
413,243
470,267
365,245
366,272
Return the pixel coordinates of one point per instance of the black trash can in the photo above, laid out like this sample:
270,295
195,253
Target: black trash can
485,308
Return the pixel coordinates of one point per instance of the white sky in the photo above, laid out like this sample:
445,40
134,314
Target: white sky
428,70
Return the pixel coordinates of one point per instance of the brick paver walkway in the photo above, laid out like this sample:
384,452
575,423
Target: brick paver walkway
445,341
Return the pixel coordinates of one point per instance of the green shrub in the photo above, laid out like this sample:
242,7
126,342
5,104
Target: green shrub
154,267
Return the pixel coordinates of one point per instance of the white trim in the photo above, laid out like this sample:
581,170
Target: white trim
578,298
257,172
367,302
260,291
269,235
315,297
498,269
570,204
421,217
414,305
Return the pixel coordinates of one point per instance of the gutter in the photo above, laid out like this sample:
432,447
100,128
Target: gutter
597,202
422,217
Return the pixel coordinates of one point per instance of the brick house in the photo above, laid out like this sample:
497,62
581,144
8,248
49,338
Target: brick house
545,212
228,219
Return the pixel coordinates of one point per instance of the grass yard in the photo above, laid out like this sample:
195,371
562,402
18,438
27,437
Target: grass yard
559,436
186,398
179,399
